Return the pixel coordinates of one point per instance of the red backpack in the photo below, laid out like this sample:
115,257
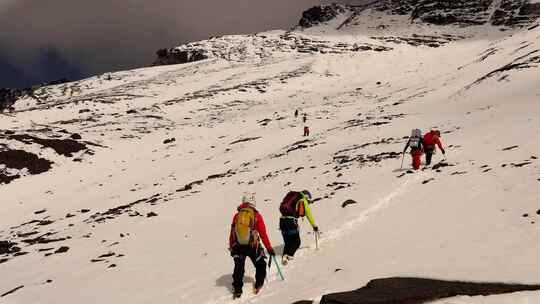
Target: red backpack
288,206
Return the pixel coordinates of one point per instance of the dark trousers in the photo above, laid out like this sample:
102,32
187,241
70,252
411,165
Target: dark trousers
291,235
429,154
257,257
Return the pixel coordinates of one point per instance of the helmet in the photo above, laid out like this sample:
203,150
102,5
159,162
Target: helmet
249,197
307,194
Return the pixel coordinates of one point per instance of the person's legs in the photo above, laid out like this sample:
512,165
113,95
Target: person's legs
294,243
238,274
258,259
429,154
416,159
288,227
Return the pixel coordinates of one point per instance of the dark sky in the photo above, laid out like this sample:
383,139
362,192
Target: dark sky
44,40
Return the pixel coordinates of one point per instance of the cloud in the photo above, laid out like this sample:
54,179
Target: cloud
103,35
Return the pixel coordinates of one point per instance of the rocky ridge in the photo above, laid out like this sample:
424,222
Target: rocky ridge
462,12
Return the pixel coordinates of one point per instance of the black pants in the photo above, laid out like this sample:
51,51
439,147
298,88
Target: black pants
291,235
257,257
429,154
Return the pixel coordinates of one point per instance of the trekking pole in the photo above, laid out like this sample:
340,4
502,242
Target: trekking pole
278,268
402,159
269,266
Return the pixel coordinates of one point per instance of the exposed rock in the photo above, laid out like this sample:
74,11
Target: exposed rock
8,247
177,56
463,12
509,148
418,290
62,249
106,255
75,136
427,180
43,240
348,202
320,14
19,159
8,97
63,147
11,291
169,140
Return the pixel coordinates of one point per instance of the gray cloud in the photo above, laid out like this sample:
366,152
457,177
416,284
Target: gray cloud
102,35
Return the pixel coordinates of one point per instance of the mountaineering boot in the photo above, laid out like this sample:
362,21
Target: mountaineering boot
285,259
256,290
236,295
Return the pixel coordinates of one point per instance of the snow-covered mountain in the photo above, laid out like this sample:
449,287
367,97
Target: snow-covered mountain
120,188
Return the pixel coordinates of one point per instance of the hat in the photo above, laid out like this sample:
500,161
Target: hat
306,193
248,197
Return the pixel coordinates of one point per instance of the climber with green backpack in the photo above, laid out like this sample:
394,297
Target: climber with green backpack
294,205
247,230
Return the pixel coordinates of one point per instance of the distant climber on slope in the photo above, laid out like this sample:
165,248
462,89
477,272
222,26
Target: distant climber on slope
294,205
306,131
295,113
415,142
431,139
247,230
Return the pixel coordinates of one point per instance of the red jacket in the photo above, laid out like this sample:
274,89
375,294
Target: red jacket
430,141
260,227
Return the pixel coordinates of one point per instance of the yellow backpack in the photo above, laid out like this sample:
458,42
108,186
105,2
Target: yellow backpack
244,227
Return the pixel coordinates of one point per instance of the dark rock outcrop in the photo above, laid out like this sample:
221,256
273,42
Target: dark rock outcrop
464,12
9,96
320,14
65,147
177,56
348,202
418,290
8,247
512,12
19,159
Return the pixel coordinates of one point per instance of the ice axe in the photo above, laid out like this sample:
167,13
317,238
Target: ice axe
278,268
316,240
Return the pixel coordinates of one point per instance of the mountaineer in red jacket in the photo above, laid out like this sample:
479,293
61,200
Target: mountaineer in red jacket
431,139
247,230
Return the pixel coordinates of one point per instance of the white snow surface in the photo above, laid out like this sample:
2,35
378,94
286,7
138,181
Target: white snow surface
465,223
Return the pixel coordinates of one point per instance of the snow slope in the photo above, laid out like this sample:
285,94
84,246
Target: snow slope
231,117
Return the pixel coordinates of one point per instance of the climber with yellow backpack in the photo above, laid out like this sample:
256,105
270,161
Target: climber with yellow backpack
247,230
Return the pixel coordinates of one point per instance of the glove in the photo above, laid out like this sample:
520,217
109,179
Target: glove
271,252
316,229
443,152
